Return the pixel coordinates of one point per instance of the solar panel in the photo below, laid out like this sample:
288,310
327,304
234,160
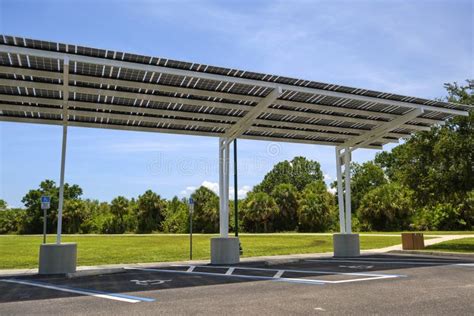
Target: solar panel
108,89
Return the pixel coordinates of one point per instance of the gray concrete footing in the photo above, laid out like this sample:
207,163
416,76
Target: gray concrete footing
57,258
225,250
346,245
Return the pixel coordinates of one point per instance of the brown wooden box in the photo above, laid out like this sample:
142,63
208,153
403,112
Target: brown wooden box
413,241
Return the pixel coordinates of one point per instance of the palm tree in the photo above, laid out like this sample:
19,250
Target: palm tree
260,208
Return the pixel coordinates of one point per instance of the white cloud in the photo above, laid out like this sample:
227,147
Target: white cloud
214,186
188,191
327,177
332,190
242,192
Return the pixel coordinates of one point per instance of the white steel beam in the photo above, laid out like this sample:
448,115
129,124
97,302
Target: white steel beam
223,214
139,110
378,132
347,170
167,131
204,93
226,184
220,78
63,148
340,198
212,104
247,121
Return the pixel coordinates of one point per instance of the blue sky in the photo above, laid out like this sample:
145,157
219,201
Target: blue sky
405,47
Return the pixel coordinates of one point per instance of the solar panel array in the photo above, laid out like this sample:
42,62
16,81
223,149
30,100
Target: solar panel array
116,90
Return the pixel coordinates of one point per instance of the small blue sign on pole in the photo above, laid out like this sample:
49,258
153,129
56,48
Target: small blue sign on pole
45,204
191,201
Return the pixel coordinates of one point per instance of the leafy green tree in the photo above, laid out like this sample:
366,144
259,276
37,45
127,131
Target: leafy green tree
33,223
299,172
365,177
176,217
120,222
10,220
437,164
317,208
259,209
3,205
150,209
74,214
286,198
388,207
206,211
96,215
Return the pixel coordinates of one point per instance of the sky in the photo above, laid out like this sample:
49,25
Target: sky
403,47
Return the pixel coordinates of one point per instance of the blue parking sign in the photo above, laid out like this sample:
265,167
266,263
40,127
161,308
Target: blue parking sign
45,199
191,201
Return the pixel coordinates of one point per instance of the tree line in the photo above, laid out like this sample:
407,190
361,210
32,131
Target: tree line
425,183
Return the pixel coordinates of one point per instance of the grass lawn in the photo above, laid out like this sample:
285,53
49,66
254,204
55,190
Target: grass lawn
22,251
459,245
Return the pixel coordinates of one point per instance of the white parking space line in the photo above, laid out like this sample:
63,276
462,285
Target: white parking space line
191,268
278,275
94,293
302,271
383,262
252,277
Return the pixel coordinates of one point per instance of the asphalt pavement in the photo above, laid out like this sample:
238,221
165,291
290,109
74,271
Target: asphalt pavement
375,284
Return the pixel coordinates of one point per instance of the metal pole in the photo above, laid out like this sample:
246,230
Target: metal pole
61,185
226,187
347,169
340,198
236,193
63,148
222,225
190,235
44,225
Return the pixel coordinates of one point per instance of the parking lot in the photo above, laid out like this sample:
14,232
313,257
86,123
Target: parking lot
393,284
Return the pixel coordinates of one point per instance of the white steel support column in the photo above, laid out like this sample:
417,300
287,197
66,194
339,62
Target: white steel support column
223,214
340,198
226,184
224,249
63,150
346,244
347,171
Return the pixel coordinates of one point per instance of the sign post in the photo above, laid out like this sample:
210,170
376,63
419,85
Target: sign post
191,211
45,204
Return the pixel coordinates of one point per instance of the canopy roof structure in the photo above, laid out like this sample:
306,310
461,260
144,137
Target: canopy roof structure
115,90
69,85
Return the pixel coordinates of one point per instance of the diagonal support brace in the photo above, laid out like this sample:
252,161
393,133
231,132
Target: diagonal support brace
371,136
244,123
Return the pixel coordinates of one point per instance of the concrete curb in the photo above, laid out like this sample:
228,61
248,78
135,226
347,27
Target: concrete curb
434,253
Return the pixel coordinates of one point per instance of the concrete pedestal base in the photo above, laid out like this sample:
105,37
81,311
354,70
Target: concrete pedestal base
225,250
57,258
346,245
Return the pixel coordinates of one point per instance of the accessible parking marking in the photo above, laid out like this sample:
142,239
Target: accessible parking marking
232,271
252,277
87,292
